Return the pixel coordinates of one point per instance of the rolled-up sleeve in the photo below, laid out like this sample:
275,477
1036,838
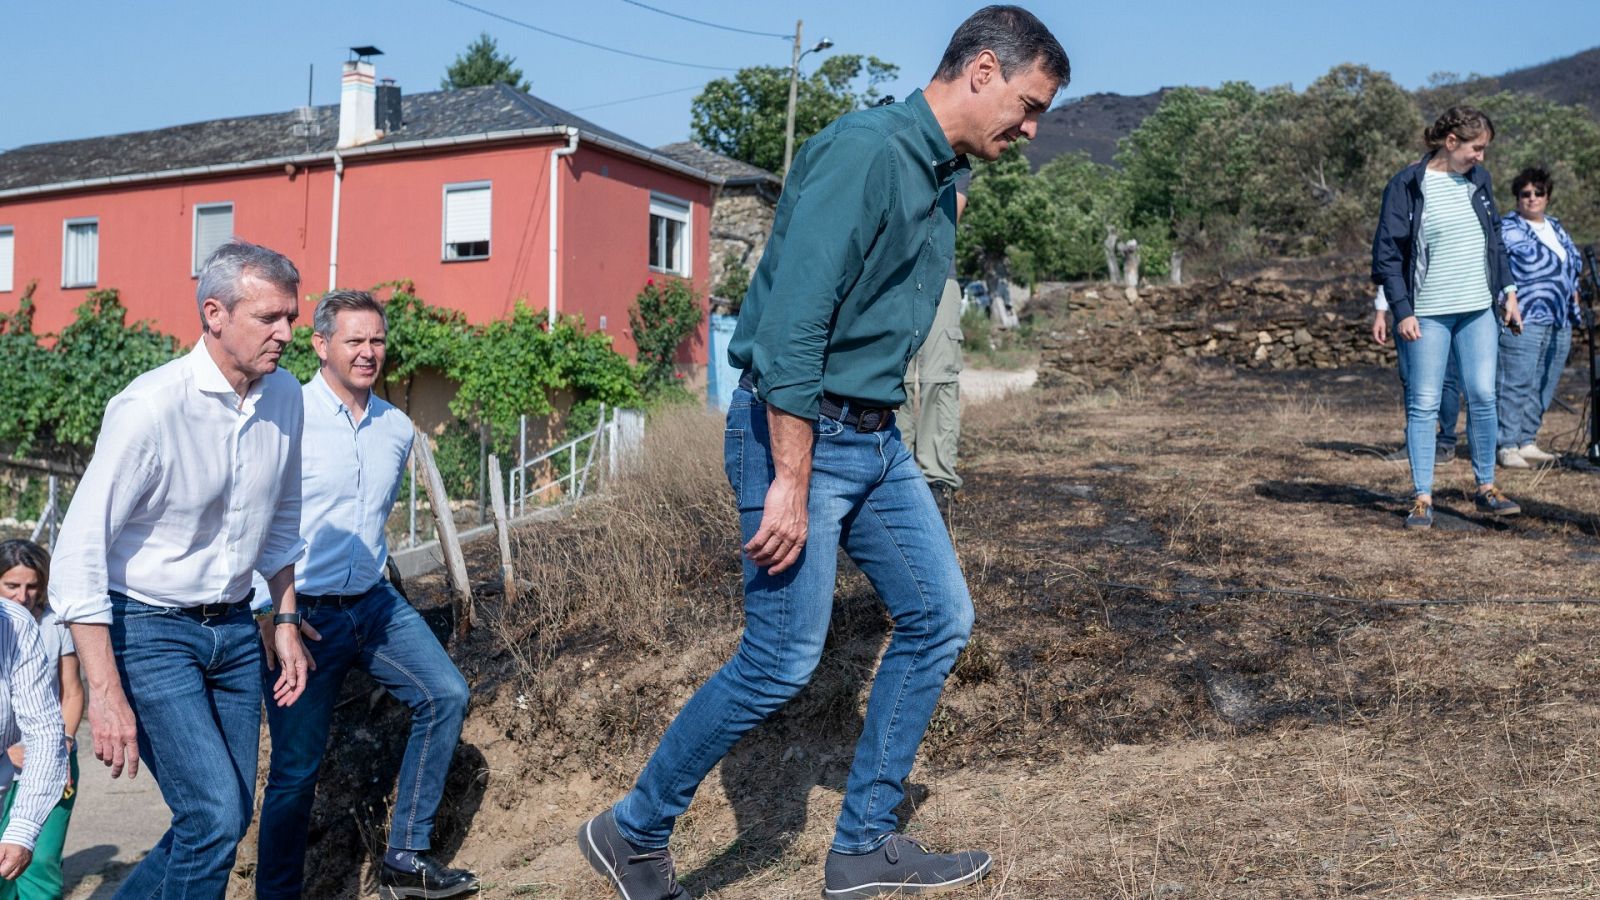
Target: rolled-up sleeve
38,715
842,206
125,467
284,546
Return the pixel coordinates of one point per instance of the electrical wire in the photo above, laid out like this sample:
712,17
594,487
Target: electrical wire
691,87
567,37
787,37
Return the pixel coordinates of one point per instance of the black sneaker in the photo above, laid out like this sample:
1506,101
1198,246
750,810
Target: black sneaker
636,874
1421,516
899,867
1444,454
429,880
1489,499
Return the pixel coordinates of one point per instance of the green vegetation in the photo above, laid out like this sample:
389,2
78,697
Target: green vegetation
662,318
482,63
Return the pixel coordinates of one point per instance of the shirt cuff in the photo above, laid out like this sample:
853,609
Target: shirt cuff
795,401
23,834
88,612
272,565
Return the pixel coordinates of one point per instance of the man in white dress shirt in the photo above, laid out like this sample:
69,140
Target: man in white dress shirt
195,482
354,453
30,714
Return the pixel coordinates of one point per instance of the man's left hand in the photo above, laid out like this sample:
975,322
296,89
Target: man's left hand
14,859
294,664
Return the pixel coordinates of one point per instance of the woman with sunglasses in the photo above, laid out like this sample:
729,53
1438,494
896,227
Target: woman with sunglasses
1437,253
1545,263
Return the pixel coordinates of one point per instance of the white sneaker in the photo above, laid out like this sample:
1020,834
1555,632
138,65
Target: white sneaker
1511,459
1531,452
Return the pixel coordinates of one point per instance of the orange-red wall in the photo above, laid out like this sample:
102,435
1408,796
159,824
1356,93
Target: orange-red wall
390,227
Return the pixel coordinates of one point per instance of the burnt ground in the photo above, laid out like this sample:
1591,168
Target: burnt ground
1146,710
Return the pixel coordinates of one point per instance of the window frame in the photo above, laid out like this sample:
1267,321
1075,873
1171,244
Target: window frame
676,209
196,261
444,220
66,230
9,286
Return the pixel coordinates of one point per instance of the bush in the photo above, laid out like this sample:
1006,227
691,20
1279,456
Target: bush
662,318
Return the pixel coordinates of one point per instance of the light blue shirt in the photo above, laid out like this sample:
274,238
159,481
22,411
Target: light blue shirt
350,478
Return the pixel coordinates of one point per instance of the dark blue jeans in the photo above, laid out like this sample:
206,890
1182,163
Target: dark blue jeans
195,688
867,496
1530,369
383,636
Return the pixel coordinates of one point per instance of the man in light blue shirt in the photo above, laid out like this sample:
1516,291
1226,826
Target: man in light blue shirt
353,453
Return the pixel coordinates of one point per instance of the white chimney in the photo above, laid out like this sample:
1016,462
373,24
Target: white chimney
358,104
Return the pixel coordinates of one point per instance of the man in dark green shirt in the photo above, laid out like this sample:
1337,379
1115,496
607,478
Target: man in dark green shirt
844,296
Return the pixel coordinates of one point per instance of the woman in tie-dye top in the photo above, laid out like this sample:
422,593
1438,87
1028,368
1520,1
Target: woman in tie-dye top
1545,264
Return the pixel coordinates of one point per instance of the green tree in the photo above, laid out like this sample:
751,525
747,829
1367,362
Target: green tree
482,63
745,116
1008,210
1563,140
662,318
1086,201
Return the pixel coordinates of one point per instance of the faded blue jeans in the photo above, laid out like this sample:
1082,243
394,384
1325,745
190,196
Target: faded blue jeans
383,636
867,496
1473,340
1530,368
195,688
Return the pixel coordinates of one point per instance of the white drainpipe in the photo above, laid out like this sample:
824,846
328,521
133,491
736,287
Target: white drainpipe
555,186
333,229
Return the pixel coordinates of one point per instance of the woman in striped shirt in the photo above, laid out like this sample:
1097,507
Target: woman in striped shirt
1438,255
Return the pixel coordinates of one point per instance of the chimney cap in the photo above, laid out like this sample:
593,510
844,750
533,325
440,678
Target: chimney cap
365,51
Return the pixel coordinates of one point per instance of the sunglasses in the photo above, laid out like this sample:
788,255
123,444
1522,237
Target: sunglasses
1531,193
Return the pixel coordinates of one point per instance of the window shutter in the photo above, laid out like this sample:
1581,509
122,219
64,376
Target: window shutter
80,255
213,227
466,215
7,249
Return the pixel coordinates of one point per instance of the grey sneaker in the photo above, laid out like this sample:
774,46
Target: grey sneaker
1489,499
1532,452
636,874
901,867
1421,514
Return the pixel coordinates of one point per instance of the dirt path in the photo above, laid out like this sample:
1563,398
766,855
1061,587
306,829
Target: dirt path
114,823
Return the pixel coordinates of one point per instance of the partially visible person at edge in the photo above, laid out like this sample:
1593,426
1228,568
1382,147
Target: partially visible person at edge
30,713
1449,397
353,455
24,578
1437,253
845,294
930,420
194,483
1546,265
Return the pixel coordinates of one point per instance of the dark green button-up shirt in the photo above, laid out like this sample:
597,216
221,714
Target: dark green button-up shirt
864,234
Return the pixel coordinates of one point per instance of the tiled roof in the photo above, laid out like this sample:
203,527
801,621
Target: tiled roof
734,171
438,114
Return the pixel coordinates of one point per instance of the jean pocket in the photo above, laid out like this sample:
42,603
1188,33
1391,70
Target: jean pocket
733,458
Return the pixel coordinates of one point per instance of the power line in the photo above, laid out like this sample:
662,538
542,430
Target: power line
787,37
568,37
691,87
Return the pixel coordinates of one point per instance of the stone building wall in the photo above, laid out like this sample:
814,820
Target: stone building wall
740,223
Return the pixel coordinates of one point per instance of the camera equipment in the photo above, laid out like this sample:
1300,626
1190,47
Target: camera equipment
1589,290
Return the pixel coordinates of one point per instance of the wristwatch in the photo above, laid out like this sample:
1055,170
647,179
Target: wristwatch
286,619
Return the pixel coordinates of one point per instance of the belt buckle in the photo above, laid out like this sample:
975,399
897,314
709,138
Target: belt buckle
877,415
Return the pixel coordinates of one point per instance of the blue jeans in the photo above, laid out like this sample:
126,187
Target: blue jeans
1449,401
867,496
194,685
1472,339
1530,368
383,636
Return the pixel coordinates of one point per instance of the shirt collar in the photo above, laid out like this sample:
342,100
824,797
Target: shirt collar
207,376
334,405
946,163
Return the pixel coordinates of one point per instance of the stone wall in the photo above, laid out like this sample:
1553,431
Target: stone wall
740,223
1096,336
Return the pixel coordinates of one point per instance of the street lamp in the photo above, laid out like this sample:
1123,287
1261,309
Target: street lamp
794,83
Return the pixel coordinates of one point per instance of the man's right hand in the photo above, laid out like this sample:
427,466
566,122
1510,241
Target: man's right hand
782,536
116,732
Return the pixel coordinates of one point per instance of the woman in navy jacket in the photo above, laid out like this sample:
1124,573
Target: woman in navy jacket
1439,257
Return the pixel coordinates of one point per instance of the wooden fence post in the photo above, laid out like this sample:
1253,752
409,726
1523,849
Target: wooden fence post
497,496
449,541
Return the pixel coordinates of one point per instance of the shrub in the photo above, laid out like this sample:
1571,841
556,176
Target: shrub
662,318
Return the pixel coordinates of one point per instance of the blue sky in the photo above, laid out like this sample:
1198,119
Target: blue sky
78,69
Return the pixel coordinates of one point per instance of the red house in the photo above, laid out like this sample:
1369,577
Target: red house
481,196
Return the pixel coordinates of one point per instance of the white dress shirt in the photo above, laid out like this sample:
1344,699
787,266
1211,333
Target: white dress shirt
30,714
190,489
350,478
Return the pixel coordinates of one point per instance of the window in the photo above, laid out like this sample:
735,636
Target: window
8,244
466,221
213,227
80,253
669,235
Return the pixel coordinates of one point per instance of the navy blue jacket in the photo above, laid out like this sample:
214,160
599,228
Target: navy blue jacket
1399,254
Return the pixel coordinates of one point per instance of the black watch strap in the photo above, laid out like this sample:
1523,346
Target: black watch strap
292,618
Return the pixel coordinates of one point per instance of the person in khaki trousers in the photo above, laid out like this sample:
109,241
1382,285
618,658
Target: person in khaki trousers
930,421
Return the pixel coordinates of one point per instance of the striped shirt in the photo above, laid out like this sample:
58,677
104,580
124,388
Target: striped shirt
30,714
1457,277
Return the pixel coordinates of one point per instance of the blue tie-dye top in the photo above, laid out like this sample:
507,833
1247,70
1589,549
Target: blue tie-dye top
1545,282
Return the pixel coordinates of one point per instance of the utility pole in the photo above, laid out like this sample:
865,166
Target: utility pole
794,83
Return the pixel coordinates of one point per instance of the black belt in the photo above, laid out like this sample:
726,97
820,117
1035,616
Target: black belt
218,610
855,413
336,601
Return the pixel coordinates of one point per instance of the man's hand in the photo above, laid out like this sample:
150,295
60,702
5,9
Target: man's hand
1409,328
1380,328
14,858
116,732
782,536
296,664
306,631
